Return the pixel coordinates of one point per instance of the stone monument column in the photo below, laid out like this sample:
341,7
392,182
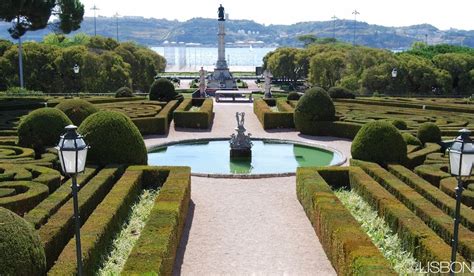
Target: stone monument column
221,62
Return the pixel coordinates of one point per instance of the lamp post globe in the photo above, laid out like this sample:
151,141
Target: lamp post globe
461,158
72,152
76,68
394,72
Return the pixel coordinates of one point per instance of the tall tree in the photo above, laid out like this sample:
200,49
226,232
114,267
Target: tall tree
31,15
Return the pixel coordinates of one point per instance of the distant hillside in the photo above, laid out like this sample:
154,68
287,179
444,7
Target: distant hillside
154,32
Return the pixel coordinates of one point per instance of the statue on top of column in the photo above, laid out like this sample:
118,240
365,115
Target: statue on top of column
220,13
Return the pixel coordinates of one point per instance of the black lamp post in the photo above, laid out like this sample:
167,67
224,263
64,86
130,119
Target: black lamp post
72,151
461,158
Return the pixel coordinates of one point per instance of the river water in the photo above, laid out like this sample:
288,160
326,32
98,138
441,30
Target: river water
192,58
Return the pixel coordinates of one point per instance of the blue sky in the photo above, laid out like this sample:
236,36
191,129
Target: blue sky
442,14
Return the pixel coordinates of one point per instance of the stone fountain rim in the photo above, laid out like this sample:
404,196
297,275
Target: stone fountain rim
251,176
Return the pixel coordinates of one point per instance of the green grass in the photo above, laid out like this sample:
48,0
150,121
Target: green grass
194,108
379,232
127,237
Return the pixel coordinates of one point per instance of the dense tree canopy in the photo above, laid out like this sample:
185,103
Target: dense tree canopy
105,65
430,70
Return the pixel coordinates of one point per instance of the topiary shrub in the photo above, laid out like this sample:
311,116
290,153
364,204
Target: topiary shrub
41,128
123,92
400,124
340,93
113,139
429,132
314,106
379,142
77,110
21,252
162,90
410,139
293,96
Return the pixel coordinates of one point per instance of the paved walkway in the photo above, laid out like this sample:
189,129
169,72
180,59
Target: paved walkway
248,226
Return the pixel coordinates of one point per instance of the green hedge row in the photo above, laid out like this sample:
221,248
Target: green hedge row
155,251
433,173
270,119
202,118
149,120
448,186
433,194
59,229
435,218
25,186
98,231
417,158
415,235
347,246
43,211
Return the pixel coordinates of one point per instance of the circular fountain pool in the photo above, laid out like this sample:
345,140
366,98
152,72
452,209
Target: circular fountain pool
269,157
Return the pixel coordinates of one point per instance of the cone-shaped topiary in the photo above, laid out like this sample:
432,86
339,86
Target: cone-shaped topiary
400,124
314,106
21,252
429,133
379,142
77,109
410,139
162,90
41,128
113,138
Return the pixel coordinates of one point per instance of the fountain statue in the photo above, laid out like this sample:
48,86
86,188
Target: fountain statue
240,144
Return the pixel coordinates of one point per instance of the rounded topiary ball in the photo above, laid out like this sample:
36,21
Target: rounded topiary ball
400,124
314,106
123,92
429,132
379,142
41,128
21,252
337,92
410,139
162,90
113,138
77,109
293,96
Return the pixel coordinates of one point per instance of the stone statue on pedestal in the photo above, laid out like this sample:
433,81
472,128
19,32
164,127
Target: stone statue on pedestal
202,82
268,83
220,13
240,144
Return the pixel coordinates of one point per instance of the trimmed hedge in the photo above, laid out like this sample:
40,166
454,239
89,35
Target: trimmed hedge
415,235
98,231
347,246
150,123
417,158
41,128
399,124
270,119
77,110
21,252
314,106
162,90
49,206
340,93
202,119
113,139
411,140
448,186
433,173
59,229
379,142
429,132
436,196
124,92
440,222
155,251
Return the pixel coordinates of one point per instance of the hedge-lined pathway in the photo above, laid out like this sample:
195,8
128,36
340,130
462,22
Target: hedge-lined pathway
248,226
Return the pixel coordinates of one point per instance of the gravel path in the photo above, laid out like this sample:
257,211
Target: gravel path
248,226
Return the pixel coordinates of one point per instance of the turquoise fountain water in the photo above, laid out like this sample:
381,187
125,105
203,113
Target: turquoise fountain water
268,157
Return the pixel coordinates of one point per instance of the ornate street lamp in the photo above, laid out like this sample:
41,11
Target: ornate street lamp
461,158
394,72
72,151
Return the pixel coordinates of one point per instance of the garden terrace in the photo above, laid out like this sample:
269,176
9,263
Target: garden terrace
274,113
194,113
